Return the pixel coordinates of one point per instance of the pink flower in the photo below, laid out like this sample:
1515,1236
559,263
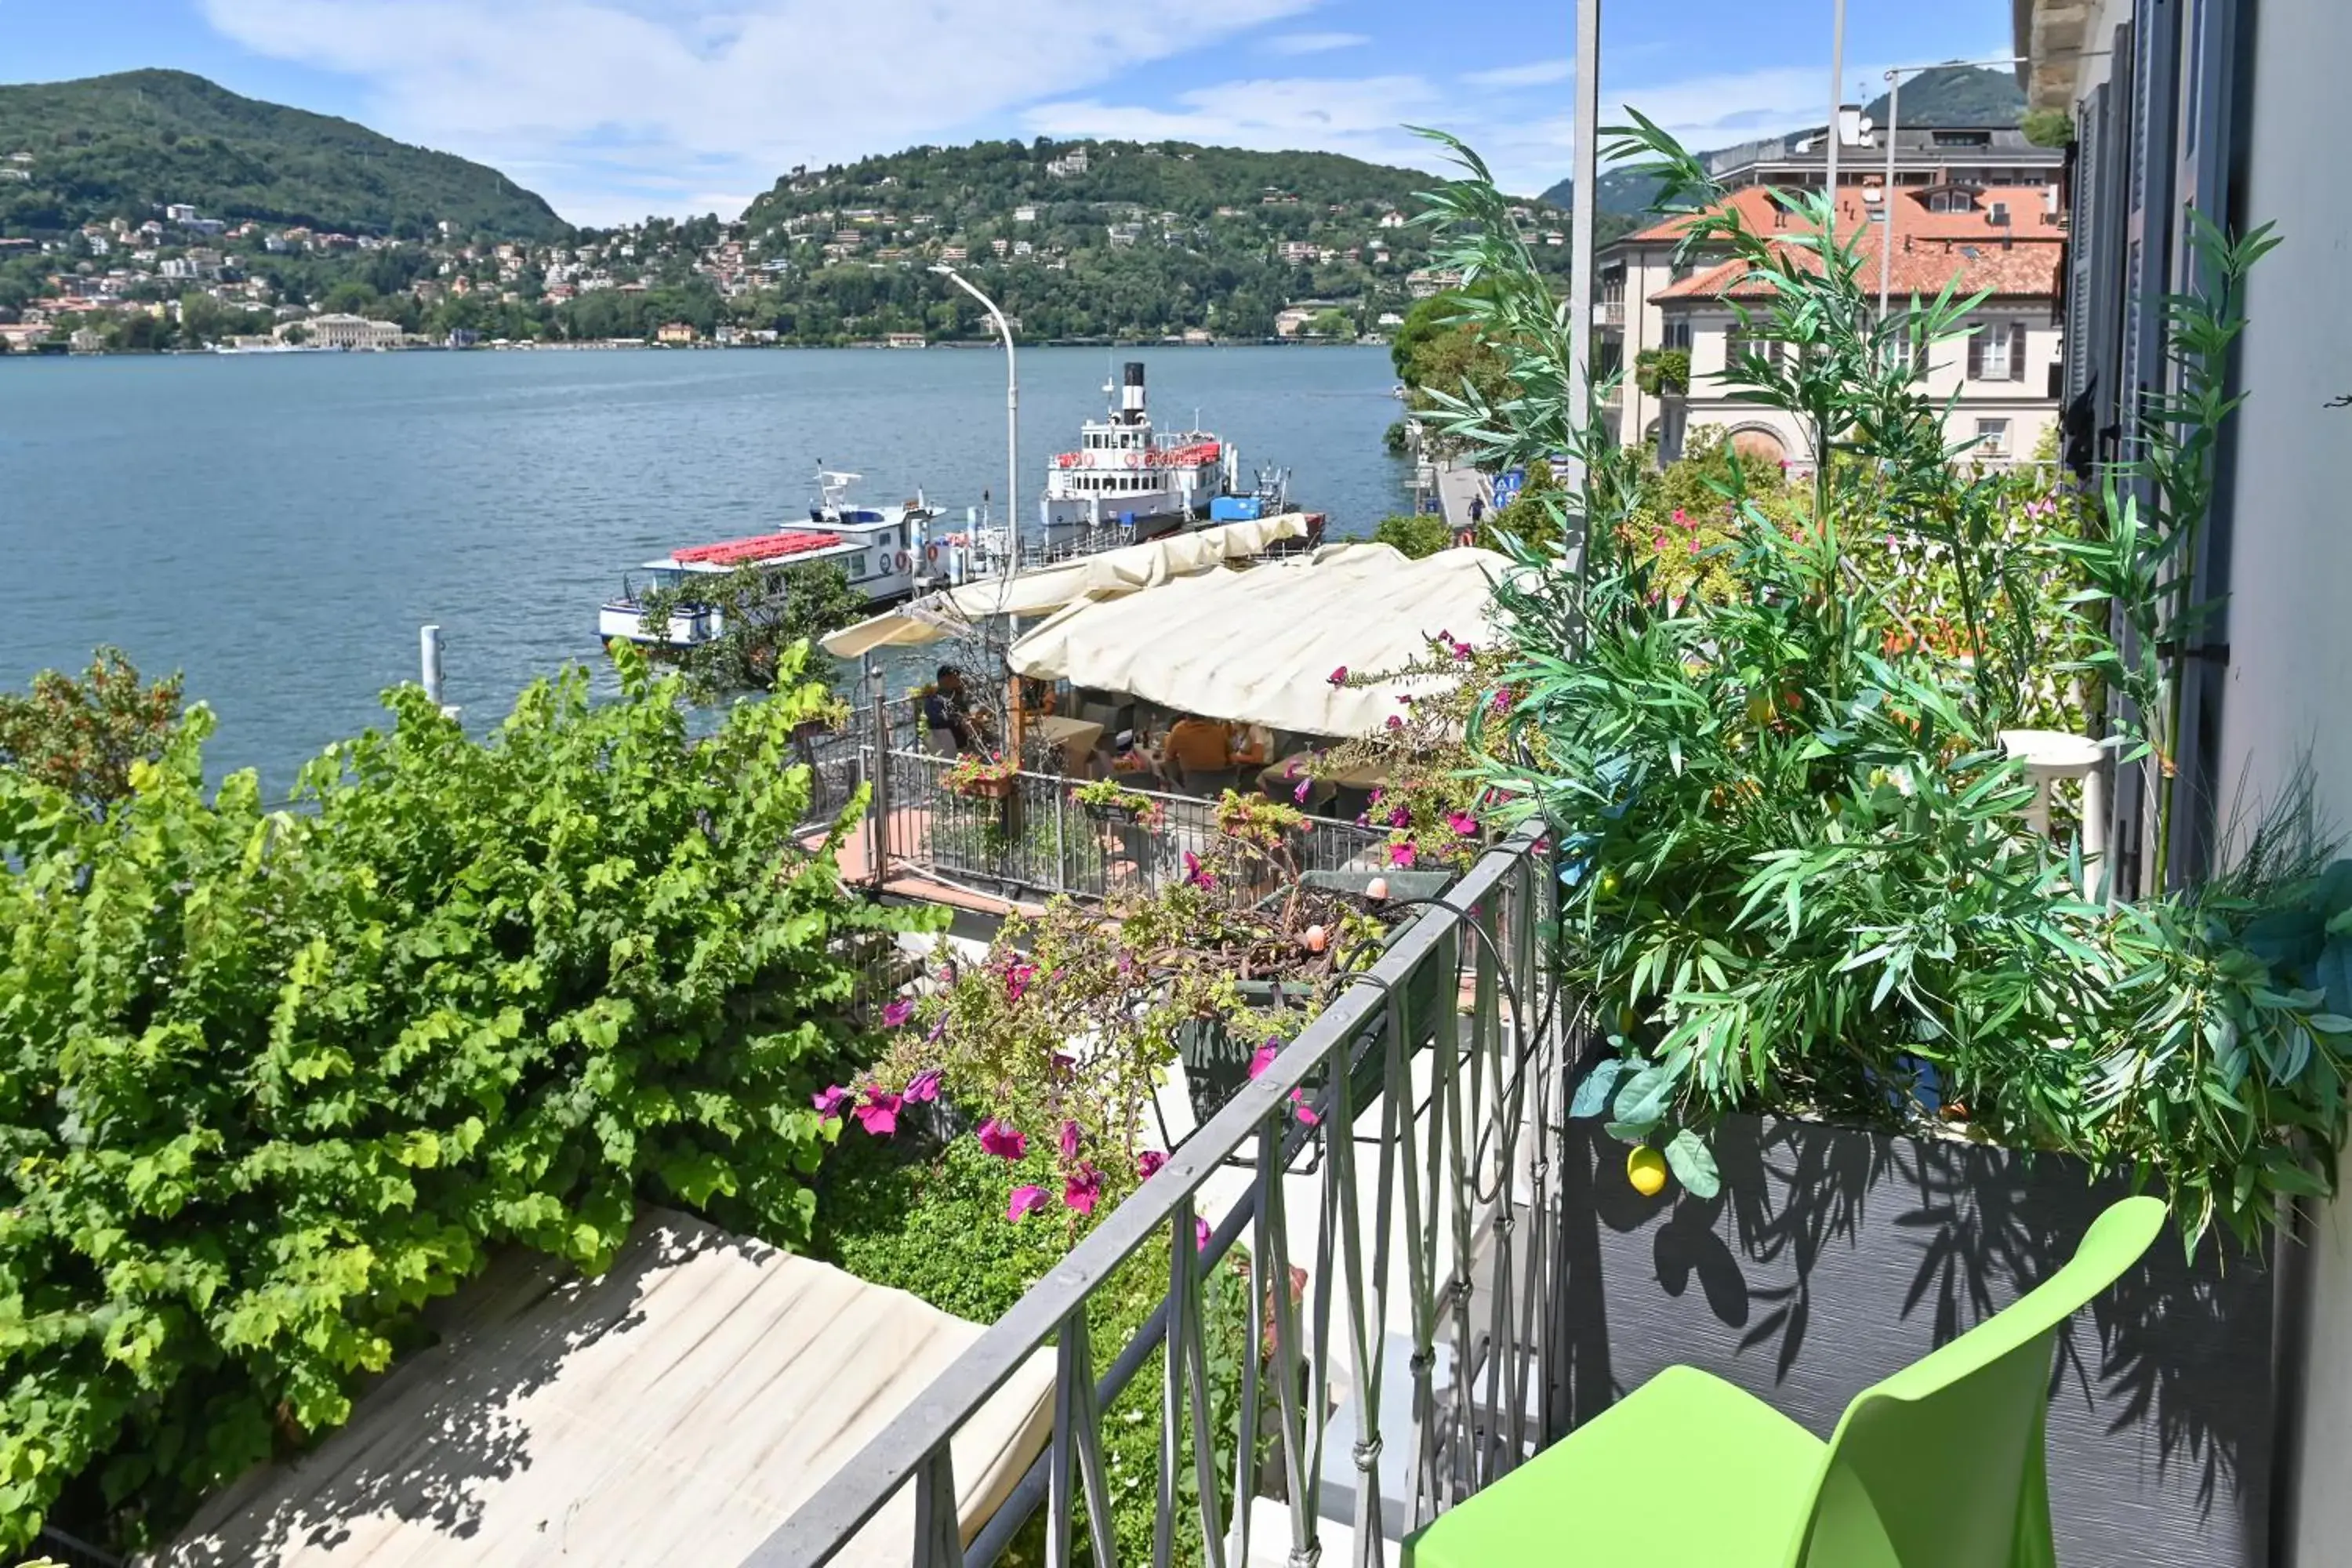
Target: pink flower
829,1101
1263,1058
1659,543
1148,1163
1299,1108
1197,874
1200,1234
1363,819
1684,518
897,1013
1024,1200
1299,794
1338,676
1400,855
1063,1062
1504,699
1081,1188
1290,768
1069,1140
1002,1139
1017,976
924,1085
1462,823
879,1114
1395,722
1400,817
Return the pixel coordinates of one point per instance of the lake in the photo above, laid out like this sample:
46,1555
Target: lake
277,527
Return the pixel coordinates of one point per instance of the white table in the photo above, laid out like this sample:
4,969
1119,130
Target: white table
2050,755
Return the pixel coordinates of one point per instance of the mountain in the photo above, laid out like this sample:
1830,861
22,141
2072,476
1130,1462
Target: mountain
1954,96
124,146
1085,239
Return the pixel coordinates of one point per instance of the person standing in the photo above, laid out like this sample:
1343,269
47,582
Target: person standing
947,714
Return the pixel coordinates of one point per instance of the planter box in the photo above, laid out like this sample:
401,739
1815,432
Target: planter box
1834,1256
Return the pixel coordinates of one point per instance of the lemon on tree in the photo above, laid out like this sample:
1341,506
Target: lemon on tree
1646,1168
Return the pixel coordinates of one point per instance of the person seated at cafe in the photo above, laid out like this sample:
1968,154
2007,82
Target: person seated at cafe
1198,745
948,725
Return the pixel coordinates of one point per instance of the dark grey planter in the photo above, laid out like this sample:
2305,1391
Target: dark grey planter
1834,1256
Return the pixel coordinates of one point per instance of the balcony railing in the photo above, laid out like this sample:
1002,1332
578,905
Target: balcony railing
1420,1357
1038,840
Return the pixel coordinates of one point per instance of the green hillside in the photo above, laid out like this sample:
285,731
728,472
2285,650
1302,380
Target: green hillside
120,146
1951,96
1098,239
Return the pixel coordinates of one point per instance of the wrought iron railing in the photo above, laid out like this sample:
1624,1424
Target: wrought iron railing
1422,1199
1036,838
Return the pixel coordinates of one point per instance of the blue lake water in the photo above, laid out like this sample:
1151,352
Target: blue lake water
277,527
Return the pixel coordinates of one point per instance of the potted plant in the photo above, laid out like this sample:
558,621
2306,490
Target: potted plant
1866,1052
1107,801
979,776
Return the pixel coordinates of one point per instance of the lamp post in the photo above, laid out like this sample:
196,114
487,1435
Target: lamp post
1837,105
1582,195
1011,418
1886,187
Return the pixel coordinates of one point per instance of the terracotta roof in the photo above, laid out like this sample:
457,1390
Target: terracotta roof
2029,270
1764,215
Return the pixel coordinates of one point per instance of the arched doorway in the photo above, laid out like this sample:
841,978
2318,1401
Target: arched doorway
1758,447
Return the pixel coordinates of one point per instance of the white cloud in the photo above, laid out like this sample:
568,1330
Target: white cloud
1315,43
1536,73
632,105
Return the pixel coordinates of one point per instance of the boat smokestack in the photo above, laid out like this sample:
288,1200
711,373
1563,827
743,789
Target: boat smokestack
1130,396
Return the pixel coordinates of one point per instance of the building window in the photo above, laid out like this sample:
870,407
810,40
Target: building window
1997,352
1677,336
1992,438
1950,201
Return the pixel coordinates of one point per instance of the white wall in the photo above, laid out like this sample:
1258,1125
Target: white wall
2290,624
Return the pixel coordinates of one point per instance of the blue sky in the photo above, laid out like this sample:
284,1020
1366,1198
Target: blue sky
614,108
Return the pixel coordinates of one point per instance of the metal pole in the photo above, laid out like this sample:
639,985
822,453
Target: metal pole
428,652
1886,190
1011,417
1837,103
1582,197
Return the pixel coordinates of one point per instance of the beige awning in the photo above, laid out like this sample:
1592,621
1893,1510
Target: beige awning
1260,647
1109,575
675,1409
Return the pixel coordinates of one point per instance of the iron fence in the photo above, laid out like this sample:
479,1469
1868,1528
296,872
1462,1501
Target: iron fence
1037,838
1422,1199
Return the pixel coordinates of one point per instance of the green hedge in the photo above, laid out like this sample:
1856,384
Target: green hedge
270,1082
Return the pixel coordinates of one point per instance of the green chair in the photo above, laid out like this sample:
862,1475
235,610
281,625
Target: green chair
1939,1467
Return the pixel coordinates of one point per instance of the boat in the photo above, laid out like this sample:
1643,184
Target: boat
877,549
1125,484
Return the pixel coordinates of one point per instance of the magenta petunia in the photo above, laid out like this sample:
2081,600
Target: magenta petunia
1200,876
1200,1234
828,1102
1002,1139
1026,1200
924,1085
879,1113
1069,1140
1400,817
1148,1163
897,1013
1017,976
1338,677
1504,699
1400,855
1305,1112
1081,1188
1462,822
1299,794
1263,1058
1395,722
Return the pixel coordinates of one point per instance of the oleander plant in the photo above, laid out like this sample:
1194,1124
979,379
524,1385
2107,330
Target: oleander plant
1802,875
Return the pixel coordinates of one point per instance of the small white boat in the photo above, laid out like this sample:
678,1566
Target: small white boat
880,550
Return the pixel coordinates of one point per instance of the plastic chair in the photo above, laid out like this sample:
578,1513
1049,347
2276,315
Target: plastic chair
1941,1466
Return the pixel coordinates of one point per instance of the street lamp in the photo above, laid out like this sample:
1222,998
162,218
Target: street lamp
1011,418
1583,193
1887,186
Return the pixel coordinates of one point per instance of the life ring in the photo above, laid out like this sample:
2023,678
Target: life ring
903,562
931,554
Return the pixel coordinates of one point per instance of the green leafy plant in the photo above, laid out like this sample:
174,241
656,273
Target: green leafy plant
83,736
763,613
272,1081
1414,535
1800,877
1660,370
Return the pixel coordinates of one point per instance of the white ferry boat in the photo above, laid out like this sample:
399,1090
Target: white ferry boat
1124,476
879,549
